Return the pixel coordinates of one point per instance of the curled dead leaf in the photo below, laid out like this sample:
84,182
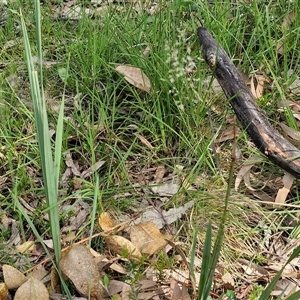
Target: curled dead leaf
287,180
122,246
244,172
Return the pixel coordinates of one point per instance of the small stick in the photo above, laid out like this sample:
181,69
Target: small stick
268,140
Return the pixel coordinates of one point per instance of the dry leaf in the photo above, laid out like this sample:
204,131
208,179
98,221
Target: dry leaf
136,77
13,278
244,172
162,218
25,247
39,273
176,213
175,290
295,89
92,169
228,133
15,235
146,52
106,222
79,266
228,281
115,287
284,287
257,91
121,246
3,291
70,164
160,173
166,190
292,133
147,238
288,180
145,142
32,289
288,20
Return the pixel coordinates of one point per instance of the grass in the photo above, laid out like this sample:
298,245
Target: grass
104,116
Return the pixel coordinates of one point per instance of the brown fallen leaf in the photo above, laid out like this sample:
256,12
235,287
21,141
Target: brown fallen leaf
147,238
115,287
13,278
122,246
79,266
3,291
136,77
228,133
32,289
160,173
175,290
145,142
282,193
258,89
105,221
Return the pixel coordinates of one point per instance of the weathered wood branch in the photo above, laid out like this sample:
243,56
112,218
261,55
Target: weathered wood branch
268,140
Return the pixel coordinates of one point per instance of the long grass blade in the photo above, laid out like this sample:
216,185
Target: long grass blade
205,266
41,122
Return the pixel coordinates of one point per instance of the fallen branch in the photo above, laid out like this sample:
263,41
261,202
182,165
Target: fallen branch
268,140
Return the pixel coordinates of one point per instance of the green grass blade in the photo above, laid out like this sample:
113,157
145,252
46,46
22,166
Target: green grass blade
93,217
37,8
205,266
41,121
295,296
193,254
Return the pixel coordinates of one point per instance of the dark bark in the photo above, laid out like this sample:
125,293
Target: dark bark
268,140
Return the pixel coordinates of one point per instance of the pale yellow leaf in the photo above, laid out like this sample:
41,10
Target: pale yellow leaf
13,278
25,247
122,246
106,222
282,193
228,281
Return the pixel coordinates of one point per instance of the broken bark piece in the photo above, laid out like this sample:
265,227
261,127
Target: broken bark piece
268,140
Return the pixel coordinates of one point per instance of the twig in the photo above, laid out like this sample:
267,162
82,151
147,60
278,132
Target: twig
268,140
